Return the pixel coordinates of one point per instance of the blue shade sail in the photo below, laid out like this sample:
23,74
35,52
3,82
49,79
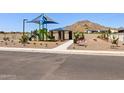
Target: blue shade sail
43,19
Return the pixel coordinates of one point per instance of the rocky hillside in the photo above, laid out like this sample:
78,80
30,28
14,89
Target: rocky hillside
86,25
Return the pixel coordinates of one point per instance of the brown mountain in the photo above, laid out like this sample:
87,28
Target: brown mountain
86,25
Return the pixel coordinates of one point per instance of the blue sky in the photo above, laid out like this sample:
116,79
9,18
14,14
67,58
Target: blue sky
13,21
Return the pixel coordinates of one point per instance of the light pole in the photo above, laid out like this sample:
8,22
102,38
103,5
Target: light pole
24,20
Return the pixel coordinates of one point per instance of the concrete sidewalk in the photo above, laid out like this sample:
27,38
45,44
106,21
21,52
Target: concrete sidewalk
64,46
84,52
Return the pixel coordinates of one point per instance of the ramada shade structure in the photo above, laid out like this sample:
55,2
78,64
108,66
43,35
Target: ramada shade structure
42,20
58,29
61,33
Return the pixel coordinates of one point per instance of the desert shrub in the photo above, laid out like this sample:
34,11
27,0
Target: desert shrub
78,35
105,35
98,36
2,32
34,44
28,42
57,44
6,38
24,39
115,40
41,44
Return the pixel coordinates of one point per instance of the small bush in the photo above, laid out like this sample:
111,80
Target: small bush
34,43
24,39
6,38
57,44
98,36
41,44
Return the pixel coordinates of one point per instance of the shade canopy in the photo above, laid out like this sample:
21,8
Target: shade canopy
43,19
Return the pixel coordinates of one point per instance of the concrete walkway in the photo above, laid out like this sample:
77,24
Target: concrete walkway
64,46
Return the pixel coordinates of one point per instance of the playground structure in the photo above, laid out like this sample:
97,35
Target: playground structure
42,33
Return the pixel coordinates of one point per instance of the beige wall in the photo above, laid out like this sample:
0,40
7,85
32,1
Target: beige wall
11,36
56,35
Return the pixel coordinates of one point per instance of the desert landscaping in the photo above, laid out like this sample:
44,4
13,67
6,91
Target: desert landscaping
13,40
94,43
86,35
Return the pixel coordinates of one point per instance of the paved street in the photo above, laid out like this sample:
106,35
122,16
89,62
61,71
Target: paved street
28,66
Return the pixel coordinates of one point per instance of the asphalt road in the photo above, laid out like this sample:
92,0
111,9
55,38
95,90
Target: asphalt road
36,66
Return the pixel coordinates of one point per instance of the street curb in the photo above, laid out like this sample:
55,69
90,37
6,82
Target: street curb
84,52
